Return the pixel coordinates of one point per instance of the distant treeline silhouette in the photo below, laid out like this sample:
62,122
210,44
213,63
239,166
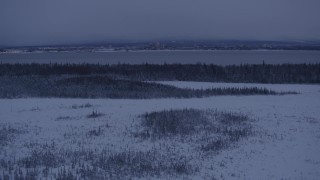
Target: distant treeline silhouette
259,73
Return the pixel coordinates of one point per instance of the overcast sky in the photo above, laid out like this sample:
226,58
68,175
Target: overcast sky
42,22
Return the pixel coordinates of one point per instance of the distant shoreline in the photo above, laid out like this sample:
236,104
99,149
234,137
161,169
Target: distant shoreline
162,50
220,57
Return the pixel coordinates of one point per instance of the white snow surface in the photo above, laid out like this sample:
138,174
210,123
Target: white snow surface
286,145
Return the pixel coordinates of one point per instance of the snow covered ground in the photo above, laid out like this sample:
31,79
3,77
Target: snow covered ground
285,146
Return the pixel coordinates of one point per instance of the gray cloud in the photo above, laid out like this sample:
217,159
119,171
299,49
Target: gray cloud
36,22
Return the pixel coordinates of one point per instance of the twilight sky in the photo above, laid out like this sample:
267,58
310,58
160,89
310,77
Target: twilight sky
45,22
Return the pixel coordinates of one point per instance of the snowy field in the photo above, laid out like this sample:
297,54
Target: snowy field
285,143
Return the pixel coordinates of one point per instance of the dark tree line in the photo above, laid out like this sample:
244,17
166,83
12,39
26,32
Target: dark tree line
259,73
104,87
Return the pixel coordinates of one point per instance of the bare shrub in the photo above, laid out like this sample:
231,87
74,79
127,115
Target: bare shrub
87,105
95,132
95,114
60,118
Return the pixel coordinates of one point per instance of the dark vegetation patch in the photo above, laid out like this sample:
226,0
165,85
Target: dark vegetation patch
212,129
95,132
258,73
209,132
7,133
141,164
47,156
60,118
95,114
48,161
105,87
175,122
232,118
87,105
214,145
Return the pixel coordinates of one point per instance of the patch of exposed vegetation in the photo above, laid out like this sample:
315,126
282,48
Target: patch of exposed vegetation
61,118
87,105
214,145
7,133
212,129
205,132
141,164
47,157
95,114
95,132
175,122
48,161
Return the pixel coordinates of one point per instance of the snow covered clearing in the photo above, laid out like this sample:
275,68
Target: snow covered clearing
285,143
